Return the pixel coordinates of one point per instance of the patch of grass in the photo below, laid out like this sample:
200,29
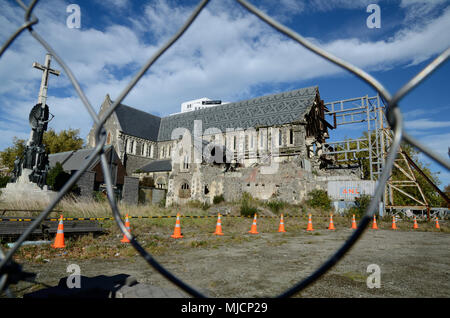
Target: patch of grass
218,198
248,207
154,234
357,277
361,205
276,243
196,244
276,206
85,207
198,205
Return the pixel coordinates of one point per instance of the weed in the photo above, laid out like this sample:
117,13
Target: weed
218,198
361,205
195,244
357,277
319,199
247,205
275,206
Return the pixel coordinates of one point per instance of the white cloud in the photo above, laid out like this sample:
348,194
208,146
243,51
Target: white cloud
418,11
406,46
425,124
114,4
426,120
439,143
282,10
326,5
224,55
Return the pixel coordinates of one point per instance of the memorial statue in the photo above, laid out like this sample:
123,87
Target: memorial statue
35,157
17,171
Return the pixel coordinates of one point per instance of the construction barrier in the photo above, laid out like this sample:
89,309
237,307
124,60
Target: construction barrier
16,219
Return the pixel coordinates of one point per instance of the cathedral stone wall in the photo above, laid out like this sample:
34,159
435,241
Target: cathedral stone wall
130,192
287,129
291,182
86,184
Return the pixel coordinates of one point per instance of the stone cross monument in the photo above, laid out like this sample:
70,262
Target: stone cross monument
30,171
42,99
35,157
46,70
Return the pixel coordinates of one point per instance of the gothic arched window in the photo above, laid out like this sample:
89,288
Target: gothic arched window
144,150
184,191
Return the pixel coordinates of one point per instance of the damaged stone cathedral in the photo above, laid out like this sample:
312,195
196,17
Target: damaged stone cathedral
270,147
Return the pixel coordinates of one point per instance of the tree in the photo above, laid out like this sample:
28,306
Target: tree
3,181
9,154
433,198
65,140
57,178
447,190
57,172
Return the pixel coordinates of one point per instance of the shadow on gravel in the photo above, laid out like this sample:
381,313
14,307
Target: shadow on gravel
91,287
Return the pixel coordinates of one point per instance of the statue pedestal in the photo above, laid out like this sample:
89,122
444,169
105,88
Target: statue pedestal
24,190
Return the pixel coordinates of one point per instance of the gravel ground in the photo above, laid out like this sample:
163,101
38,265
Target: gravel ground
412,264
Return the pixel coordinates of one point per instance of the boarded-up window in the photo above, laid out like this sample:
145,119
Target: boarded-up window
185,191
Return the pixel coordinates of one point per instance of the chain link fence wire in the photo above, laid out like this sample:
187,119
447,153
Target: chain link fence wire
11,273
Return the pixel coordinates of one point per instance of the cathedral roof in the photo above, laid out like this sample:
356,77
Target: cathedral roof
138,123
276,109
73,160
158,165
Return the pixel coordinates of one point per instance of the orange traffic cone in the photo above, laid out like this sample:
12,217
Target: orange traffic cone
437,223
177,230
309,227
59,239
353,222
127,226
331,226
415,226
374,223
218,227
253,228
394,225
281,227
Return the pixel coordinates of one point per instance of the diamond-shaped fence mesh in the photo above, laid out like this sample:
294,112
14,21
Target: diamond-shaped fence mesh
10,272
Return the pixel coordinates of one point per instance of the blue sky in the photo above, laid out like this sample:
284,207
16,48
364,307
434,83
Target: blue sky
227,54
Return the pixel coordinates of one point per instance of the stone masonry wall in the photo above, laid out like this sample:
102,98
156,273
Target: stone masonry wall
130,192
290,182
86,184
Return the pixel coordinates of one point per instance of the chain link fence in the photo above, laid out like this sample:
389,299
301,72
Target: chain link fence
11,272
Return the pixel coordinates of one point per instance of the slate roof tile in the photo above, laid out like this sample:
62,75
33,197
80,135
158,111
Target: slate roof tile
269,110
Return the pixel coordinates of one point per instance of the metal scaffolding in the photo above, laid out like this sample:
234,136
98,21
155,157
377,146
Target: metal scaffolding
369,147
373,147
